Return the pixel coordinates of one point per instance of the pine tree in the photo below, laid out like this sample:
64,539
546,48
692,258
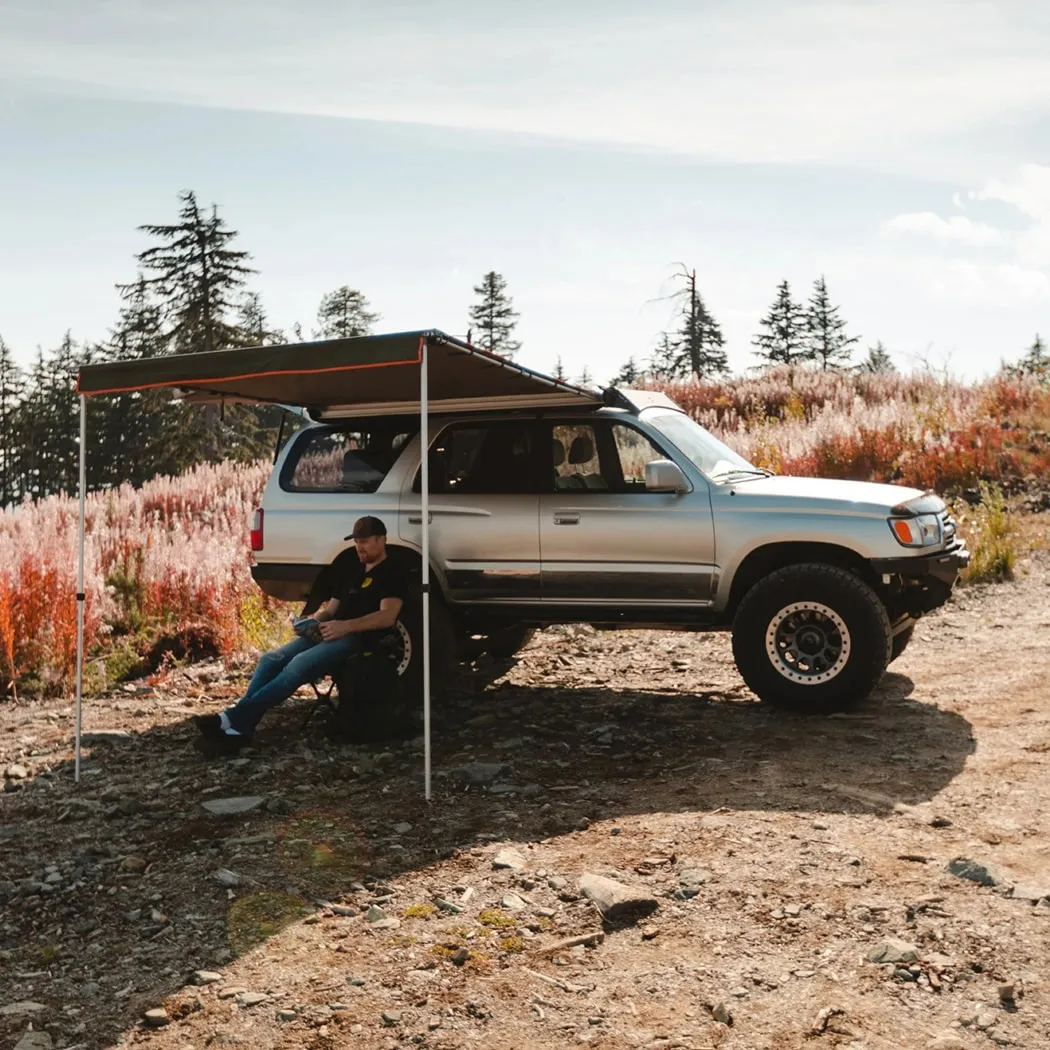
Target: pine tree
1036,362
559,370
344,314
34,427
828,343
254,325
494,316
64,439
50,423
668,361
254,426
878,360
785,336
585,379
135,436
12,391
700,341
629,374
198,275
197,282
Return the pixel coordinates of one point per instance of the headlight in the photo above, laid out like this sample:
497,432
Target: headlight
924,530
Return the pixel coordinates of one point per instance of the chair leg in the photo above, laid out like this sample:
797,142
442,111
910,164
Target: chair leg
320,699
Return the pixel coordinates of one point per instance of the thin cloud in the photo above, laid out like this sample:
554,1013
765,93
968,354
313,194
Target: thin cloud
970,282
1029,193
958,228
1022,279
758,80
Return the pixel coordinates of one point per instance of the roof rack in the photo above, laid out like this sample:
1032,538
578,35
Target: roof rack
636,401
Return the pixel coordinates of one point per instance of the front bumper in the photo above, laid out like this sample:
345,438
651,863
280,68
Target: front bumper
928,579
942,565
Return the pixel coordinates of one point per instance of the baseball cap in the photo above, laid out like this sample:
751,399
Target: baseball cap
367,526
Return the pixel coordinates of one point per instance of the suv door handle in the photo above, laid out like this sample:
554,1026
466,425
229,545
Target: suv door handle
417,519
566,519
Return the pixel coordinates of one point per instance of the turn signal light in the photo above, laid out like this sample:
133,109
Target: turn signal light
924,530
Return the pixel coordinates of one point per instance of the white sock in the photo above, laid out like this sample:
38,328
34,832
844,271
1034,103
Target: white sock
224,721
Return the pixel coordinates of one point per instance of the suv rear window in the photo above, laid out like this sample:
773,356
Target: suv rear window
344,459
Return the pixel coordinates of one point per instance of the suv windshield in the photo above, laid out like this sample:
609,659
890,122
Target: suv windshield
716,460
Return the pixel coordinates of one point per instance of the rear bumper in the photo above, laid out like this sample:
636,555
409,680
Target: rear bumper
928,578
288,582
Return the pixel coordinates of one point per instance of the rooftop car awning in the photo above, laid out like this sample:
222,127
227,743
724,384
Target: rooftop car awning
424,372
338,378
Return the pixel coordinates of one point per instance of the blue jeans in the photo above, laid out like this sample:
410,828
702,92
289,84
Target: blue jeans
280,672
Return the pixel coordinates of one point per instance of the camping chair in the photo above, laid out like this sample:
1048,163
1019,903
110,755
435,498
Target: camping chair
372,671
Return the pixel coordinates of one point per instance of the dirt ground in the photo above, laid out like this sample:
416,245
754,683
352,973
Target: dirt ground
777,853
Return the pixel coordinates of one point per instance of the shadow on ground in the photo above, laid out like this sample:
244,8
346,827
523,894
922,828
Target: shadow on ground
114,892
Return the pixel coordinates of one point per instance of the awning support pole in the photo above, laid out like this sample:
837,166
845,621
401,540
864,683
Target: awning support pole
80,582
424,445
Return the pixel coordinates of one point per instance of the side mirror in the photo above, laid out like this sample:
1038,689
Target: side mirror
662,475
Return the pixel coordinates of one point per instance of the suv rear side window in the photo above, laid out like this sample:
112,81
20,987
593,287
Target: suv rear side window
338,460
496,458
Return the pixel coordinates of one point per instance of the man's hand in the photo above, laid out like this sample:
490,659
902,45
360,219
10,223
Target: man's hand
333,629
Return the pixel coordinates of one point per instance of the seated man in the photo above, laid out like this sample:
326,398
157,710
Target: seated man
364,592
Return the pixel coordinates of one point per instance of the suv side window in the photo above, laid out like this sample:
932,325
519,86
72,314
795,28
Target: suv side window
633,450
600,457
337,460
484,458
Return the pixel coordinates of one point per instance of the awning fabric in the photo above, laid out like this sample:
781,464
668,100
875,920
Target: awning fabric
343,377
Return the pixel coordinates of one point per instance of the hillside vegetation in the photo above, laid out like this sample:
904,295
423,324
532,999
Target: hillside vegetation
168,564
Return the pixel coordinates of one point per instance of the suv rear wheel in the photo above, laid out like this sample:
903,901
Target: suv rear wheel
811,638
442,649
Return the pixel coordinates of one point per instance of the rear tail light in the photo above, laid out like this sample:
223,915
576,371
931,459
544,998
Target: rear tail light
257,530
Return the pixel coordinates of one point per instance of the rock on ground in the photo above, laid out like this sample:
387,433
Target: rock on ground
893,950
227,807
34,1041
976,871
616,901
510,859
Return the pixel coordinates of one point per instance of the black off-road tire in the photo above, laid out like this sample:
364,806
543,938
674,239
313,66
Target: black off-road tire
900,642
811,638
442,650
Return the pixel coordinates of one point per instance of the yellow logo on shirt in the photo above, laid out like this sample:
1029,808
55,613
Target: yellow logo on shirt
366,582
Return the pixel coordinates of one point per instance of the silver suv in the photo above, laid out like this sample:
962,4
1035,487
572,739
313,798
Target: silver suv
627,515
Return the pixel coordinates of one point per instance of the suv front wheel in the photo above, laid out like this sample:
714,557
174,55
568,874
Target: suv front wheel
812,638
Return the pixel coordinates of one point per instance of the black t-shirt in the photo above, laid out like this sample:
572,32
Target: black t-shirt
359,592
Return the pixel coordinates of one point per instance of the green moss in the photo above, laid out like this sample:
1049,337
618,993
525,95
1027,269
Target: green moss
496,919
418,911
512,944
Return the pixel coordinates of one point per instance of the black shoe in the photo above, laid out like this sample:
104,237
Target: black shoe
225,745
209,726
229,743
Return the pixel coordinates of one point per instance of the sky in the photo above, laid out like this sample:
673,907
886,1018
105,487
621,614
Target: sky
584,150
